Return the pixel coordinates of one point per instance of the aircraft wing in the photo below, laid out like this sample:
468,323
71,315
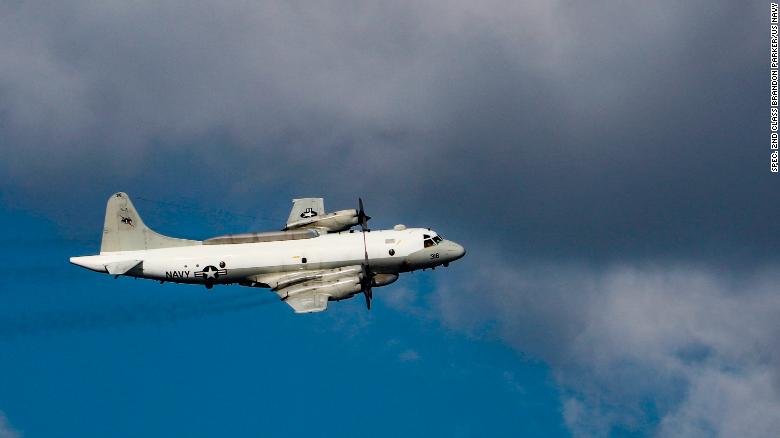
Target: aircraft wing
306,208
309,291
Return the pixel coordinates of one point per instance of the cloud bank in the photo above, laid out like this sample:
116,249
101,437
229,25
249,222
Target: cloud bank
669,350
6,430
598,131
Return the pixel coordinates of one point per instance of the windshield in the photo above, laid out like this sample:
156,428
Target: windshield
431,241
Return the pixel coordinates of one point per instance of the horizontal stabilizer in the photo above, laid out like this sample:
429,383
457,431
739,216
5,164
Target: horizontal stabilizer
120,268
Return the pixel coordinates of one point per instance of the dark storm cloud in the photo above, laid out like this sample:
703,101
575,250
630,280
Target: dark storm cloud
563,143
596,130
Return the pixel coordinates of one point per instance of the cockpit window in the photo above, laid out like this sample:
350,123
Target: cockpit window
428,241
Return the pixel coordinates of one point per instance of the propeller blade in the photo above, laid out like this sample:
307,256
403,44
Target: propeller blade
367,279
365,282
362,217
365,253
367,293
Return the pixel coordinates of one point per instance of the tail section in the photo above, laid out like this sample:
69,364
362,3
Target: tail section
124,230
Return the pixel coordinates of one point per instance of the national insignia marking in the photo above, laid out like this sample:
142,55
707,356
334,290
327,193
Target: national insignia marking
308,213
210,272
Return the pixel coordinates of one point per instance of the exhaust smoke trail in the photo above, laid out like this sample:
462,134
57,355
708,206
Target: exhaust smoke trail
136,314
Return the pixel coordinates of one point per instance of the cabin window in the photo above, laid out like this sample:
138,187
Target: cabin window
392,252
303,260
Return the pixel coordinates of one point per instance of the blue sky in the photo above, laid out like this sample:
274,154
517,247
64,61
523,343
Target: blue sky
87,355
605,165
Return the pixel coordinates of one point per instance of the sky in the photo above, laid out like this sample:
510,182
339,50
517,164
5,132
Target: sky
605,165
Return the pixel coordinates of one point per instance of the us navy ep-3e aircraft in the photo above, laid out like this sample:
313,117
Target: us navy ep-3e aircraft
316,258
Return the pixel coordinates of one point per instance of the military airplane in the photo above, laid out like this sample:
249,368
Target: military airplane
316,258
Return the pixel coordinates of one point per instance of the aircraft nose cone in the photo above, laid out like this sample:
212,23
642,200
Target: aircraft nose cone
455,251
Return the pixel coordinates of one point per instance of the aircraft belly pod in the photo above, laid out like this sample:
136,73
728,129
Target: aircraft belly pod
316,258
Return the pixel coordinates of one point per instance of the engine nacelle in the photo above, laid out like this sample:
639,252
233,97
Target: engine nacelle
333,222
344,291
383,279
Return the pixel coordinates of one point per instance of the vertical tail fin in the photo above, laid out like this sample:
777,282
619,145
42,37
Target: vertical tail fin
123,229
306,208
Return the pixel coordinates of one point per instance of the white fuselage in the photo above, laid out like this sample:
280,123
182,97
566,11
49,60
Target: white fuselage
389,251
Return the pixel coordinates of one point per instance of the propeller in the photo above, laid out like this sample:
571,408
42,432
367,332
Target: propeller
362,216
365,282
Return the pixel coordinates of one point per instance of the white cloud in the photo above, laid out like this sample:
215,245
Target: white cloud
401,298
6,430
681,351
409,356
511,381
